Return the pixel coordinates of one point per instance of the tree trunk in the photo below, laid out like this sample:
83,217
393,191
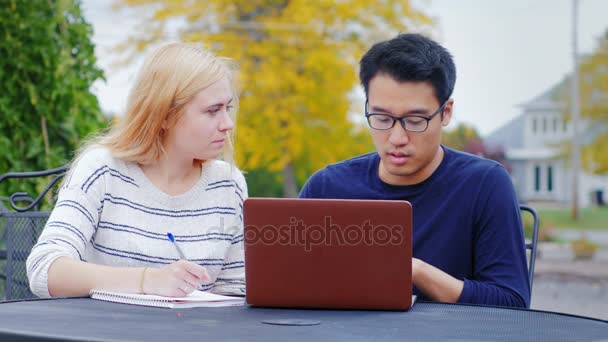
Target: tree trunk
290,188
45,137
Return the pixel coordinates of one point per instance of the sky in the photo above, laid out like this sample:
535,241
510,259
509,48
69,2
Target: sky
506,51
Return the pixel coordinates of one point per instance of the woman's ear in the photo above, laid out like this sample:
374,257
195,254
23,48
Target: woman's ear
169,121
165,125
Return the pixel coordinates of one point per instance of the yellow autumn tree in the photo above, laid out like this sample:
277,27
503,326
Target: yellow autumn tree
298,63
593,101
594,107
460,136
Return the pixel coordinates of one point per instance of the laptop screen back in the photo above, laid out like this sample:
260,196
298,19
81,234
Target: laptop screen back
321,253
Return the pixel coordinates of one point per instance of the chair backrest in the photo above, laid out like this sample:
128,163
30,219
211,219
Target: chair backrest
532,244
20,228
21,231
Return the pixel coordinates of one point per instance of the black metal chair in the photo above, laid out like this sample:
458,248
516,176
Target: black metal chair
532,244
20,227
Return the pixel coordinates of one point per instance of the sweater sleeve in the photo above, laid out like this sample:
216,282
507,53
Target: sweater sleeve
500,274
71,224
231,279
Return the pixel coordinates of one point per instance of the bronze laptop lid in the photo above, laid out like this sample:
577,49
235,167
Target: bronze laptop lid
322,253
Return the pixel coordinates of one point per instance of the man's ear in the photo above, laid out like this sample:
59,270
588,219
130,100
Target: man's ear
447,112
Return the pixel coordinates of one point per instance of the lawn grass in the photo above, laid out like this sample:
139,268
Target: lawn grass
590,218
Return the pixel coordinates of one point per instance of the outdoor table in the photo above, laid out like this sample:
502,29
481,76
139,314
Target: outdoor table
74,319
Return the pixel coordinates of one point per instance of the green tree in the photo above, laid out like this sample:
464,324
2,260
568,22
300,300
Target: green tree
262,183
47,67
298,65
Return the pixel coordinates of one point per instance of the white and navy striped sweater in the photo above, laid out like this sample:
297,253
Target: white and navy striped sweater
109,213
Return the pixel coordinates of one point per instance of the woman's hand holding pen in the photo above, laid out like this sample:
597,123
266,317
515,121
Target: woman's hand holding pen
174,280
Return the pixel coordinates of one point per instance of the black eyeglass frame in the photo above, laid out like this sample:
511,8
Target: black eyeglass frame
403,118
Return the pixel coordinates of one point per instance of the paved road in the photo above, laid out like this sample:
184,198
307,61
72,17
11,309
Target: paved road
599,236
564,284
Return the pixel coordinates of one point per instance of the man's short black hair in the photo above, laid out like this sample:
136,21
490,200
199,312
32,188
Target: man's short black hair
411,58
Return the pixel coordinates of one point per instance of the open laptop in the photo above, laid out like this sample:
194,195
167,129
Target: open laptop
325,253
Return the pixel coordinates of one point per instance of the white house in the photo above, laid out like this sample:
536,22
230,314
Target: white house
531,144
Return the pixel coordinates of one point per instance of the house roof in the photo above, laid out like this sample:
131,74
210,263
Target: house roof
510,135
551,99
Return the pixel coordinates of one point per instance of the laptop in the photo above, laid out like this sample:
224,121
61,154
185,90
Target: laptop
328,253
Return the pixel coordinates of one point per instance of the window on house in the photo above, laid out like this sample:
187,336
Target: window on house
565,125
544,125
555,125
549,178
537,178
534,125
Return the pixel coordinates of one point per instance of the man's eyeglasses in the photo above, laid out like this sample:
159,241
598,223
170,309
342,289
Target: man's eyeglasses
412,123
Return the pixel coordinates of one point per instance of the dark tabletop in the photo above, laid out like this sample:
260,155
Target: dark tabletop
92,320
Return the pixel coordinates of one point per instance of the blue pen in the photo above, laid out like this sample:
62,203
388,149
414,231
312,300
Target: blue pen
179,250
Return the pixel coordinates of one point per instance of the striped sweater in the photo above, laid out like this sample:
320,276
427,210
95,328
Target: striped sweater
109,213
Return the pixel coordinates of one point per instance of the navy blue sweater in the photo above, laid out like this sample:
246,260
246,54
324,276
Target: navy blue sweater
466,220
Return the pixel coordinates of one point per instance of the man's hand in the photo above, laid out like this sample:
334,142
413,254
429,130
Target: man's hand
434,283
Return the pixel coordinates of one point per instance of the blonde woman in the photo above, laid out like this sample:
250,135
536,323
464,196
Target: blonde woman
155,172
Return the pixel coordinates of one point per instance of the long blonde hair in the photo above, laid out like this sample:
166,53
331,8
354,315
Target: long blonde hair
168,80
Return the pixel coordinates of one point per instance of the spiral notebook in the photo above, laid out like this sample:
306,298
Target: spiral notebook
193,300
